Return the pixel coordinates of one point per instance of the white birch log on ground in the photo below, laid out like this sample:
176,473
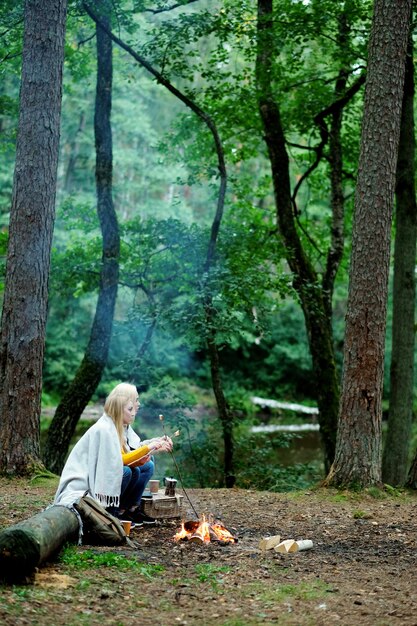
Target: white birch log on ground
28,544
304,544
289,546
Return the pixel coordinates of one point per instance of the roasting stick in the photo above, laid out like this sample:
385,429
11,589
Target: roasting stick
161,418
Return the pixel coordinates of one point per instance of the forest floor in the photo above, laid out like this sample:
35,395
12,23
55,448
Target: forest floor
360,570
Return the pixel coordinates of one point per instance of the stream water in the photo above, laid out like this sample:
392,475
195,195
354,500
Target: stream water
304,448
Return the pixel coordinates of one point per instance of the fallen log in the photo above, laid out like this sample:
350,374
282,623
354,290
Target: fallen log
289,406
30,543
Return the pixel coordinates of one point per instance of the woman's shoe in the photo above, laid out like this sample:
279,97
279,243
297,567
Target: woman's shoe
147,519
139,518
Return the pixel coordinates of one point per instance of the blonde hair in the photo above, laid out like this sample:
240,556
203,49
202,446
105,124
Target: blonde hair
115,404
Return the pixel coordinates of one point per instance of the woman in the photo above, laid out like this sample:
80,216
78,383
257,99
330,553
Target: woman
96,463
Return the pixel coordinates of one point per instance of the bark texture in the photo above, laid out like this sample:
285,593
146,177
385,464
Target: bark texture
358,447
29,544
395,457
30,236
85,382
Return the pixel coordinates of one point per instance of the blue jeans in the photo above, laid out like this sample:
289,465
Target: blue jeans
134,482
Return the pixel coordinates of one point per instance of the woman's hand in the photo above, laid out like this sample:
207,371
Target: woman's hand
166,444
161,444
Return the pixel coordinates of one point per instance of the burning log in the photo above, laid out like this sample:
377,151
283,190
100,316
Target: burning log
203,531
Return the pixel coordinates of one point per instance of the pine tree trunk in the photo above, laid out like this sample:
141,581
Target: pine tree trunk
85,382
358,447
397,443
30,236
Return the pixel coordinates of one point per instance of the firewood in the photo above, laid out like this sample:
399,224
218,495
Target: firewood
268,543
289,545
304,544
28,544
196,539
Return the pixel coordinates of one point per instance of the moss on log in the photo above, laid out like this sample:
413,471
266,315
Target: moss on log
30,543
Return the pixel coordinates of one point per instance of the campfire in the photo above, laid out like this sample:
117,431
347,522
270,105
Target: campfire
203,531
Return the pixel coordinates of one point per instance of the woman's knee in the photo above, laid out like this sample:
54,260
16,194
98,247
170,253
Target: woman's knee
147,468
127,473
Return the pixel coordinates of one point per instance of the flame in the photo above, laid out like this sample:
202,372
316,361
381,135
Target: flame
202,531
181,534
222,533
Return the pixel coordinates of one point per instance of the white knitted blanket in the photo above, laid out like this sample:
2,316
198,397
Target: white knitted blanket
94,465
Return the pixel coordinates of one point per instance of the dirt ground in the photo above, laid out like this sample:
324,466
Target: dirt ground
361,569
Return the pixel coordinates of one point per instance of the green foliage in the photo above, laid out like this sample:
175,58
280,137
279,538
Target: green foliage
199,454
165,187
211,51
376,493
258,467
67,334
393,491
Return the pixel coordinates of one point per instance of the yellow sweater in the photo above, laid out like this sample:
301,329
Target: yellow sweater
135,457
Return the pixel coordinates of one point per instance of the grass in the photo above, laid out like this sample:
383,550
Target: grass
279,598
305,590
208,573
360,514
91,559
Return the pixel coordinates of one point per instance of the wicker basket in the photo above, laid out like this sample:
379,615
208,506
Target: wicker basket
160,506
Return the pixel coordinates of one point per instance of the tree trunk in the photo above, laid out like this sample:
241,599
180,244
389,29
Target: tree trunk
358,447
79,393
32,542
395,457
225,415
306,282
30,236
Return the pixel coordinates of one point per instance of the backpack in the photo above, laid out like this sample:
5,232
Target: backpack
99,527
